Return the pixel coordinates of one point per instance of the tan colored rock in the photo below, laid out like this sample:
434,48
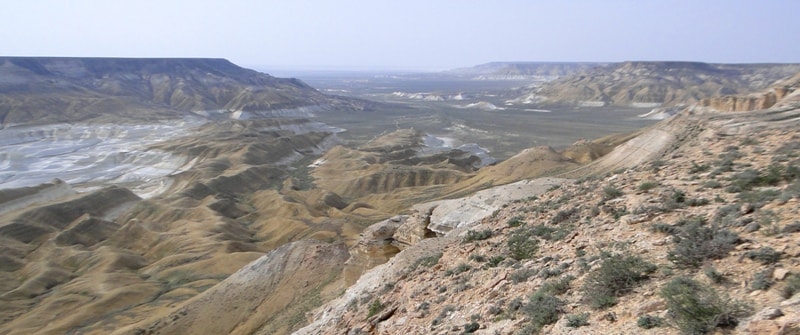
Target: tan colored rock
780,273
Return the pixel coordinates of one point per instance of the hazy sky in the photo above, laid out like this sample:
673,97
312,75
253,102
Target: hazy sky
405,34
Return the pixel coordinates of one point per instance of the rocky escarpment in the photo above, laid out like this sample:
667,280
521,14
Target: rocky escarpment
46,90
653,84
755,101
697,237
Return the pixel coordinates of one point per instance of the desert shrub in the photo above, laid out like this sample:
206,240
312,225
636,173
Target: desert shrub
477,235
551,233
542,309
611,192
764,255
577,320
565,215
557,286
427,261
791,228
515,221
697,168
615,276
743,181
552,271
698,241
495,261
674,199
648,185
727,215
759,197
375,307
713,275
471,327
712,184
522,275
791,287
762,280
696,202
477,258
649,321
657,165
748,141
522,244
696,308
664,228
461,268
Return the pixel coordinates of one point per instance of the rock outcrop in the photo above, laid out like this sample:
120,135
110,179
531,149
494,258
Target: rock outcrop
654,84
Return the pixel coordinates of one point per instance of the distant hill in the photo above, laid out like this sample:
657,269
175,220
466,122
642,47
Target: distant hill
45,89
652,84
521,70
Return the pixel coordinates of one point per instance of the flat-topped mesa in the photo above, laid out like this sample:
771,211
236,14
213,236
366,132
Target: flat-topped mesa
59,89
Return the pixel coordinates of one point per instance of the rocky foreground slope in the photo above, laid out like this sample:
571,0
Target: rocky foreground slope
695,235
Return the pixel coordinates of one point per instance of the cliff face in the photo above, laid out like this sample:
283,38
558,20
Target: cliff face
758,101
38,90
653,84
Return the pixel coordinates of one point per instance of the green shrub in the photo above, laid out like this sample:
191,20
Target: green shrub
522,275
477,258
664,228
557,286
648,185
712,184
515,221
759,197
565,215
495,261
713,275
551,233
764,255
697,242
427,261
479,235
471,327
727,215
522,244
649,322
696,202
461,268
615,276
578,320
375,307
698,168
611,192
762,280
697,309
542,309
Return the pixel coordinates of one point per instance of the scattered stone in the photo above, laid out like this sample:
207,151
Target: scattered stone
780,273
769,313
651,306
751,227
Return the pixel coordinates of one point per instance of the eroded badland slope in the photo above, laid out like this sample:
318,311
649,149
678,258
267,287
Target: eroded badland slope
271,218
655,84
688,228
